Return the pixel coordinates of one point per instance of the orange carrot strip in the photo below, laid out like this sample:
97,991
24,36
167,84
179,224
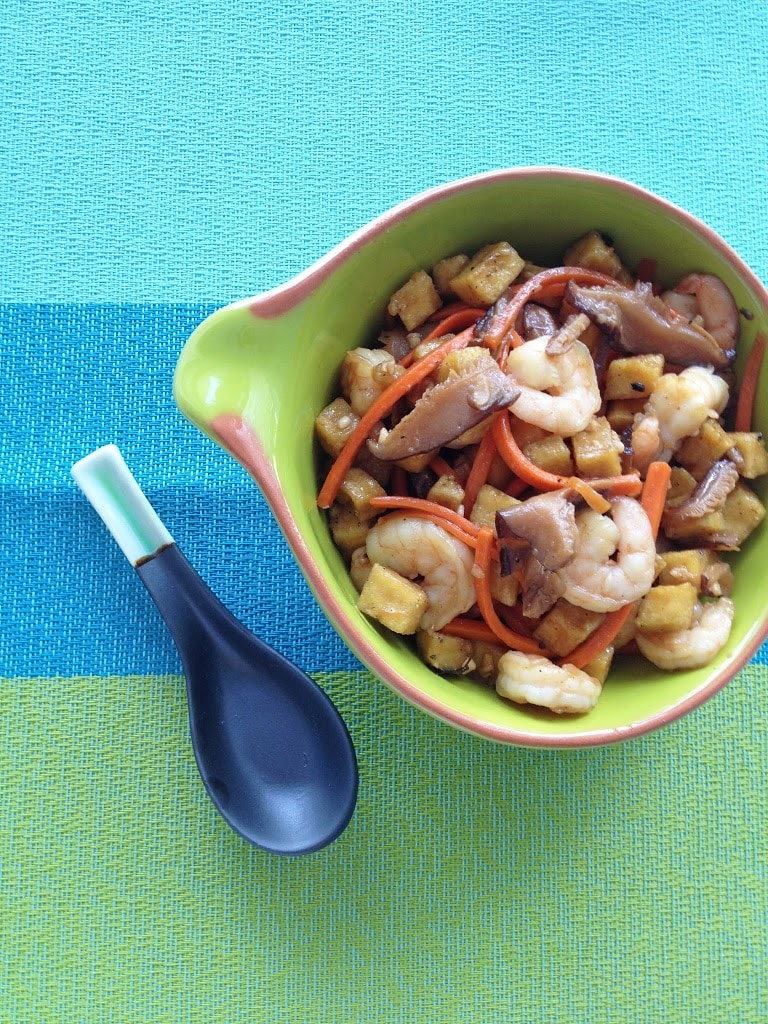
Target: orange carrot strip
430,508
482,580
440,467
456,321
457,307
470,539
653,498
541,479
745,403
470,629
478,474
379,409
595,500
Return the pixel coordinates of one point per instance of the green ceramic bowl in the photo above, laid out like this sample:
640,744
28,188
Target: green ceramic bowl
254,375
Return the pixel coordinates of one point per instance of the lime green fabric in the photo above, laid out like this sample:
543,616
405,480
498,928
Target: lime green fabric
486,884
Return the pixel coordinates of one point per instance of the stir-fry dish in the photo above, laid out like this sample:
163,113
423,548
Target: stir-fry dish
536,468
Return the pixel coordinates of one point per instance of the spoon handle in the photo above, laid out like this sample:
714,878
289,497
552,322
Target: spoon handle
106,481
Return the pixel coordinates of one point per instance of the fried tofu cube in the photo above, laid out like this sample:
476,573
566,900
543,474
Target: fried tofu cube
504,589
485,659
356,490
392,600
633,376
444,272
697,454
447,491
488,274
600,665
334,425
464,360
752,455
488,502
742,513
621,412
444,653
681,485
667,609
565,627
597,449
348,530
685,566
416,301
551,454
593,252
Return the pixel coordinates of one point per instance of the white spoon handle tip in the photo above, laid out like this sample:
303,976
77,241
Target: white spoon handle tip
108,484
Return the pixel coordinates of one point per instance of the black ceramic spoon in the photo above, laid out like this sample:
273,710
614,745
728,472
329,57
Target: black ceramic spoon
273,751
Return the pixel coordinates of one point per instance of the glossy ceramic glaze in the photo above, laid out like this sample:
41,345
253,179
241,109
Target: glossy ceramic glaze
254,375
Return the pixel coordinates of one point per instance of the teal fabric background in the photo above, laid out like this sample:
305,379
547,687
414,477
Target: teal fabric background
159,160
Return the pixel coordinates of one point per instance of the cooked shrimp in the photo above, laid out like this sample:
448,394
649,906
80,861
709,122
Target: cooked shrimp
678,407
417,547
706,300
694,647
533,679
365,373
593,579
558,393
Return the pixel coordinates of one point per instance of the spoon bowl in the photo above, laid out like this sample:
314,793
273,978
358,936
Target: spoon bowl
254,375
272,750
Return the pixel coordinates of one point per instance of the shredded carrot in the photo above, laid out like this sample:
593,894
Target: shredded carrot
745,403
440,467
429,508
541,479
653,497
380,408
482,579
470,629
595,500
654,493
457,307
470,539
455,322
478,474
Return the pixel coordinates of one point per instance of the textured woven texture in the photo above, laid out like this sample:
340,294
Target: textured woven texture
160,160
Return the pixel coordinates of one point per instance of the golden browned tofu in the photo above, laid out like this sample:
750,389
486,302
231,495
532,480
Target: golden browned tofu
357,489
667,609
416,301
392,600
697,454
488,274
621,412
465,360
593,252
444,272
726,528
597,450
752,459
600,665
489,501
633,376
486,657
565,627
551,454
681,485
348,530
702,567
447,491
334,425
444,653
685,566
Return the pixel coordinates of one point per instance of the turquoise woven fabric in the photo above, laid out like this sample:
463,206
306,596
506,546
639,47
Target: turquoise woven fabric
159,160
